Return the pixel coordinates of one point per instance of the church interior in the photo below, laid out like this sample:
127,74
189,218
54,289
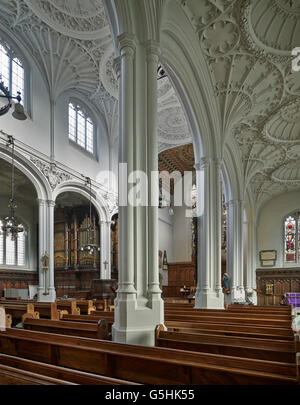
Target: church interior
150,192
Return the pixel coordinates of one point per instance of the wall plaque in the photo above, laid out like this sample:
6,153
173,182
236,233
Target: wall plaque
268,258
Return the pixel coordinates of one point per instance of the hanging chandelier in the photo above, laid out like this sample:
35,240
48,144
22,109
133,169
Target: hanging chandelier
90,247
11,226
18,113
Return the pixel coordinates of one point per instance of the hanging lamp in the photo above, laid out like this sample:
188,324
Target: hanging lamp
11,226
90,247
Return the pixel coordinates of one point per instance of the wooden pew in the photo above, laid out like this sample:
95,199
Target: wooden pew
13,376
18,311
261,307
201,327
46,310
103,314
230,330
228,314
68,305
60,373
101,305
86,306
97,330
89,319
264,349
241,320
239,308
148,365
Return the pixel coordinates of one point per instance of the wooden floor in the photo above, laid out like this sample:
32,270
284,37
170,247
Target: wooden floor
70,343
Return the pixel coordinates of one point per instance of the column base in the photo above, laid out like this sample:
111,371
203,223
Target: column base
135,322
209,299
251,296
49,297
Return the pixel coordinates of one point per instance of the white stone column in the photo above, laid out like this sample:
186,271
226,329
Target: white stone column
152,58
126,143
105,242
235,259
46,241
42,246
250,284
138,305
209,291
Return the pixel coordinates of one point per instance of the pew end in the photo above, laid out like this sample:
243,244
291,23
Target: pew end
62,312
54,311
30,315
91,310
102,330
159,328
8,322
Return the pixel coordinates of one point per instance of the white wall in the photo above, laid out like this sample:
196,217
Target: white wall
182,235
270,229
165,223
175,234
35,131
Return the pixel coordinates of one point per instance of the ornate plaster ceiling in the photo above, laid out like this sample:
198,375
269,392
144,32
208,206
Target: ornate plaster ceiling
71,42
247,45
78,19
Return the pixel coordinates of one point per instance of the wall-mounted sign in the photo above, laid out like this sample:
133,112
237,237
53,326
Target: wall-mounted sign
268,258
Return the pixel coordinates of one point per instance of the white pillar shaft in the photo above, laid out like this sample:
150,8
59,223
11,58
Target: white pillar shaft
152,158
46,245
42,244
52,294
235,259
105,266
126,214
209,293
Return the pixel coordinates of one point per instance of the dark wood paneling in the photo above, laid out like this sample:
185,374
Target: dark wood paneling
284,280
17,279
179,274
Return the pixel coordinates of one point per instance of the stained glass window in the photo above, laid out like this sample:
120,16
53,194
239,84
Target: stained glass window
11,71
292,238
81,128
12,252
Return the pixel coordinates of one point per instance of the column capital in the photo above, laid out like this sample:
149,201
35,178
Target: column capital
234,202
207,161
101,222
152,48
126,44
51,203
41,201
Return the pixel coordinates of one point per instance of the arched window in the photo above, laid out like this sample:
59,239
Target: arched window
12,251
292,238
11,71
81,128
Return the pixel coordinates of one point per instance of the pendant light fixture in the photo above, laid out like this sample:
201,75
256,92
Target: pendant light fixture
18,113
90,247
11,226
